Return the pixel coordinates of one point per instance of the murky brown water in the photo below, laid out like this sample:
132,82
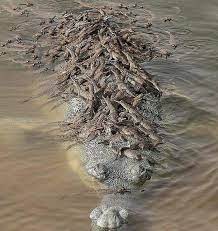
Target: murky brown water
39,190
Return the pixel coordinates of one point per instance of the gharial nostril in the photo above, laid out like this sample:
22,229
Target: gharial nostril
112,218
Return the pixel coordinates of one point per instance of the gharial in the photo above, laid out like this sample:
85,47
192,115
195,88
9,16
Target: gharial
97,55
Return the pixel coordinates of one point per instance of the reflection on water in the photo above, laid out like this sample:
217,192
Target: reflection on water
39,190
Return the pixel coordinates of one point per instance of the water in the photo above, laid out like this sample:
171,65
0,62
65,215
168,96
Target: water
40,190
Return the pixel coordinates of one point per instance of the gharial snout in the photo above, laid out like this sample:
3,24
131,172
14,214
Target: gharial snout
111,218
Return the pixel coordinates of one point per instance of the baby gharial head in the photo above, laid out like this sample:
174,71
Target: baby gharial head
98,171
110,218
